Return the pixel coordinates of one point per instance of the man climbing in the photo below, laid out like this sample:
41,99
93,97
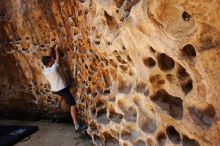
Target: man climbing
58,85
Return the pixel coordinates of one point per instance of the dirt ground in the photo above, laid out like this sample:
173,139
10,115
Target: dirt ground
52,134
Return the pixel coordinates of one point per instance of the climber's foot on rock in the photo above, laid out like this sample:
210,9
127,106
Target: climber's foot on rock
80,128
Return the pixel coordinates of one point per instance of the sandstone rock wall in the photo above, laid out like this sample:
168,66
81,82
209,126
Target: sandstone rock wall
146,71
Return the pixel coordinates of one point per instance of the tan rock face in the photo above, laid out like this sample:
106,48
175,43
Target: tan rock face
146,71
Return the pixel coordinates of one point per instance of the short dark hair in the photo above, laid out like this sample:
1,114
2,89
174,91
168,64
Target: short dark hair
45,60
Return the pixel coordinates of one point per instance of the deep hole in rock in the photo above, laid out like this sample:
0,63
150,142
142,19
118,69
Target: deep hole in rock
140,143
113,63
110,140
140,86
125,135
24,49
97,42
123,47
115,133
186,16
122,61
75,32
129,134
130,112
102,116
152,50
181,73
129,4
115,52
82,1
86,12
170,77
93,110
107,91
86,66
93,126
189,142
94,94
186,86
107,78
149,62
100,104
108,43
156,80
171,104
129,59
119,3
185,80
203,117
146,123
161,138
123,86
165,62
79,13
111,21
173,135
97,140
189,51
114,116
124,68
93,66
97,58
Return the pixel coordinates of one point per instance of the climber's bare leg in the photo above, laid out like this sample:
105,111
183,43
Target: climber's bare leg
73,111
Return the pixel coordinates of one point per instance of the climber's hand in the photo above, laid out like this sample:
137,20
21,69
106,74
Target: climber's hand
56,47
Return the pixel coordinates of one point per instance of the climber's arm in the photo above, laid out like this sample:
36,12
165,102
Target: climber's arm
57,55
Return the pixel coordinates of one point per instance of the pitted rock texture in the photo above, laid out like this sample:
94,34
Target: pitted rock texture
146,71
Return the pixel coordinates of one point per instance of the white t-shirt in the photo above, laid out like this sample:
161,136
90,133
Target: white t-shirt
57,82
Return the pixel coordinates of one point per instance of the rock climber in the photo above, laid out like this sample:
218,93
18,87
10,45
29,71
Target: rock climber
59,86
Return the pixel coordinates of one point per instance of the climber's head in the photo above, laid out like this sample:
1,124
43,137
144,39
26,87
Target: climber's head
47,61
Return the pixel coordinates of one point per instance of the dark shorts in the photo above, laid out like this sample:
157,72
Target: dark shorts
65,93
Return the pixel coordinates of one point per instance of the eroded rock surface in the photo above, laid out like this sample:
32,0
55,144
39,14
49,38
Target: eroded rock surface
146,71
